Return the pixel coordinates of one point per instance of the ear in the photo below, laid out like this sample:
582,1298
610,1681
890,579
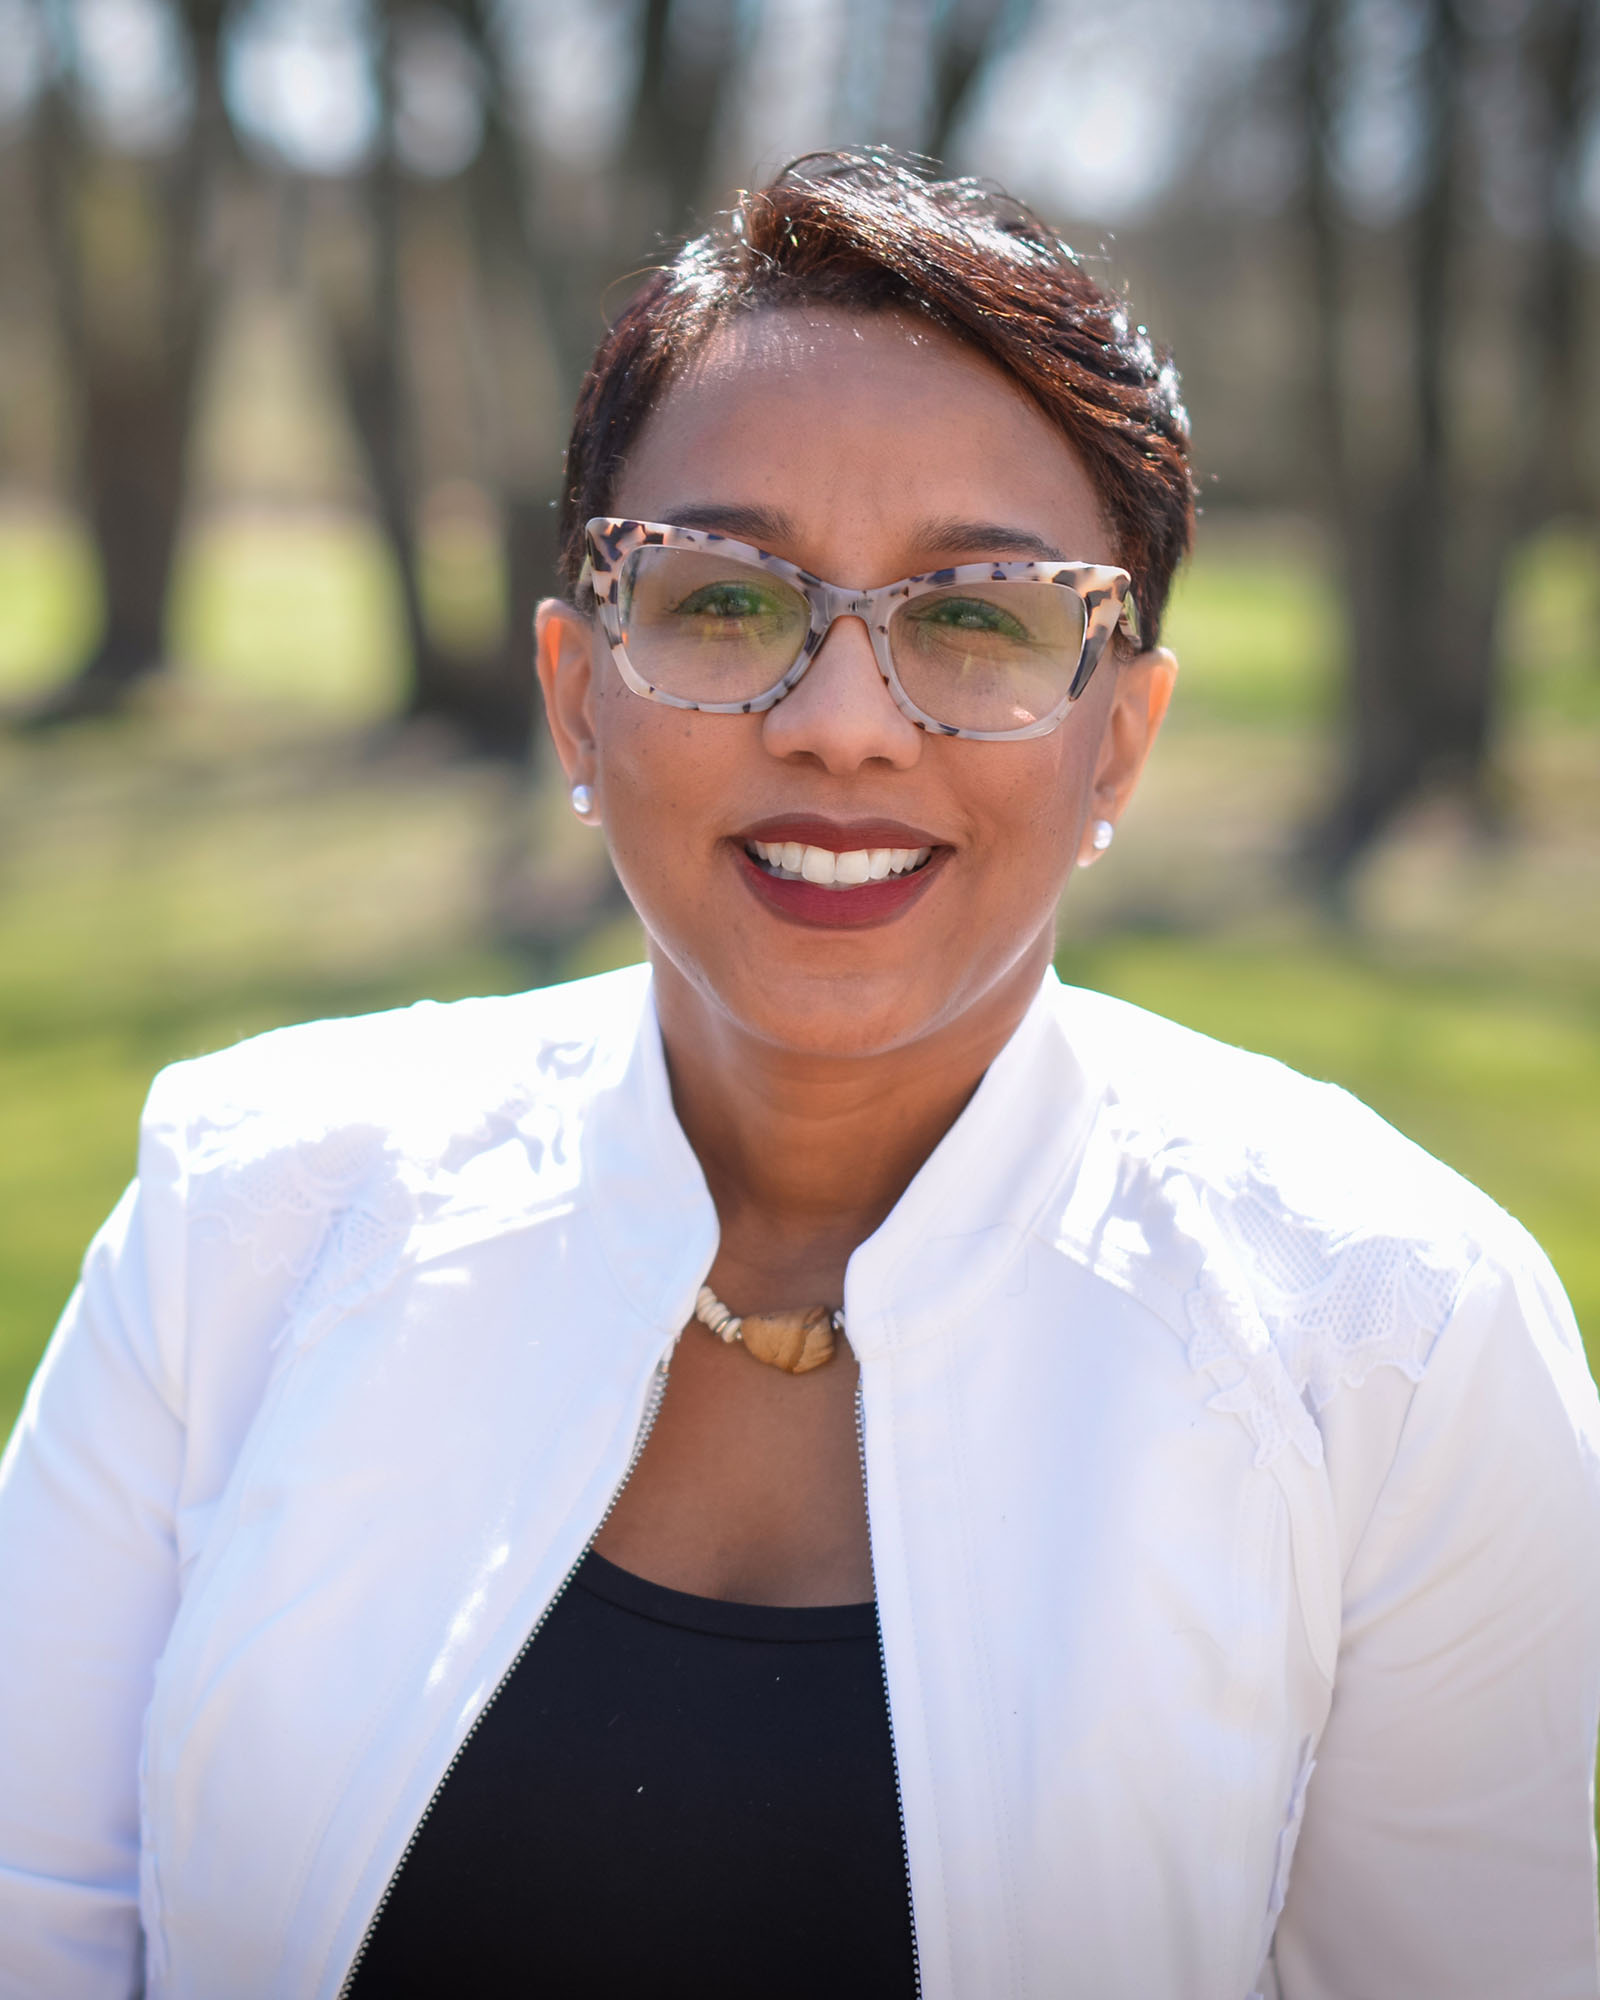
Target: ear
564,643
1133,720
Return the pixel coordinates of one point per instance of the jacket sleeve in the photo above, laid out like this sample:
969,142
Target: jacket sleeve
1448,1848
88,1592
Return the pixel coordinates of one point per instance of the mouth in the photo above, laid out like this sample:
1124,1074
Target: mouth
839,877
854,868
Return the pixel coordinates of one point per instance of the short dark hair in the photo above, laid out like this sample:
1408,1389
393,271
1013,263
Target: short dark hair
867,231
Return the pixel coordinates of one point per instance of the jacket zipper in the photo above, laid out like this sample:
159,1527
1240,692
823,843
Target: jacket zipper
658,1388
883,1670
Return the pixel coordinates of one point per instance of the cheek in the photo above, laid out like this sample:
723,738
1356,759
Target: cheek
640,746
661,770
1034,792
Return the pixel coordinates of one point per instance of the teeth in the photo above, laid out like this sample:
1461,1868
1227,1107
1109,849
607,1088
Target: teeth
838,871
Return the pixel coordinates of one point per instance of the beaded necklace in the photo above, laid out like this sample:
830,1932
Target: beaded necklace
795,1341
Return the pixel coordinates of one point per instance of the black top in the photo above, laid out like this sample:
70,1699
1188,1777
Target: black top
671,1796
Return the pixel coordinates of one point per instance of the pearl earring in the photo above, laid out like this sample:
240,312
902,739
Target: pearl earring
1101,835
582,801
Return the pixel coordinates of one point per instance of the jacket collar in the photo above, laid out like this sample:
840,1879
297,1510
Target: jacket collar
963,1217
969,1210
652,1210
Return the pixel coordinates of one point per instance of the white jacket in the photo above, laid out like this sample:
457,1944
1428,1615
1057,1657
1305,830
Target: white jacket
1232,1474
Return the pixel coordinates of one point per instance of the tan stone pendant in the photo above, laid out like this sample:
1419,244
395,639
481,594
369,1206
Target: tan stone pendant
795,1341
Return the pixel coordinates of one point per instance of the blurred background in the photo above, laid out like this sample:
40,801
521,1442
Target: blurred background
294,296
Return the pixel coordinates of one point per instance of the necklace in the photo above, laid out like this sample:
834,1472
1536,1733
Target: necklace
795,1341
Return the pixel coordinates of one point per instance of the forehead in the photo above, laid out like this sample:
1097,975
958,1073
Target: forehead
855,425
817,342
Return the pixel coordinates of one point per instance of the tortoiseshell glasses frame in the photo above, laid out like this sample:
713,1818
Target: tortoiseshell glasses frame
1104,593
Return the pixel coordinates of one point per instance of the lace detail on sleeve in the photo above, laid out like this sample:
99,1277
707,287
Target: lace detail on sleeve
1289,1309
330,1213
360,1253
258,1188
319,1157
1339,1310
1229,1341
319,1162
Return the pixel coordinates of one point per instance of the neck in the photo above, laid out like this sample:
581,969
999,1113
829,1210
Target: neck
806,1154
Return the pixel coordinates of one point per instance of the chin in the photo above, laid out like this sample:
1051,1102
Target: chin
841,1032
841,1014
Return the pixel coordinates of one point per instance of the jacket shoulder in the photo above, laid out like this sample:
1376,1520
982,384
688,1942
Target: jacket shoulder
1240,1121
1296,1239
316,1151
424,1074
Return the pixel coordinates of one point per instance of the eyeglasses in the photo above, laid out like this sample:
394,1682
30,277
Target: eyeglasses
997,651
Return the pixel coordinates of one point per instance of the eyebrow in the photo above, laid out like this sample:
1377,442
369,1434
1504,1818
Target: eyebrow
743,521
770,526
980,539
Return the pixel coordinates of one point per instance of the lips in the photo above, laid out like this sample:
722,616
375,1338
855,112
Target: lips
835,874
796,861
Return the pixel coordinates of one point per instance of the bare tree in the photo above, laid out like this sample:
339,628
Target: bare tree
1427,515
132,278
138,297
550,251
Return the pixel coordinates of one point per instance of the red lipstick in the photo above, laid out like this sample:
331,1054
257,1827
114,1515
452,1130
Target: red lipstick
824,907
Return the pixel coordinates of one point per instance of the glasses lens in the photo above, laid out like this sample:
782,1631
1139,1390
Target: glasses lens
708,627
990,655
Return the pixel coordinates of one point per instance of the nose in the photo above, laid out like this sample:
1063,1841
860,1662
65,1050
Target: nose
841,713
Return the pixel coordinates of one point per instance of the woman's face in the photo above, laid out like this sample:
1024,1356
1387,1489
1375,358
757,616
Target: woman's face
865,448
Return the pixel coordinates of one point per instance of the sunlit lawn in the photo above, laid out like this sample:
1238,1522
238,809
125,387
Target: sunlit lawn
215,866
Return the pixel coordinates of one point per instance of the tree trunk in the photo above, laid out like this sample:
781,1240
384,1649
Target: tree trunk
1416,683
133,326
1426,541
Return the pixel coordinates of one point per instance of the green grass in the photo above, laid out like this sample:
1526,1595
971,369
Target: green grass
1550,630
50,595
1256,623
302,608
1256,630
292,609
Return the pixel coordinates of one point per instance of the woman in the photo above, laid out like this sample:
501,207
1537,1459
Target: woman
463,1481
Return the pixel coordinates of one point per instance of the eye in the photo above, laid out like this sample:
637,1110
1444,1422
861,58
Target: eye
731,598
971,614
